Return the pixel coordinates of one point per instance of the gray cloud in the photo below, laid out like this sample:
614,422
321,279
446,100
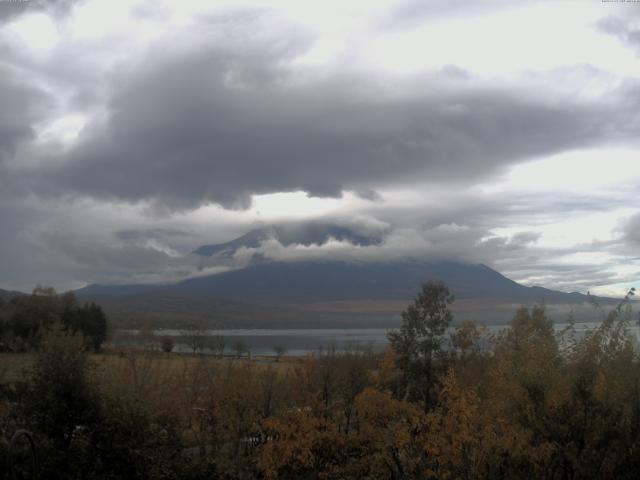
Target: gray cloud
409,13
624,27
525,238
631,229
150,233
22,105
12,9
182,134
222,121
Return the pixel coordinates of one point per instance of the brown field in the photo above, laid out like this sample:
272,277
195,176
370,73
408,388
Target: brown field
144,365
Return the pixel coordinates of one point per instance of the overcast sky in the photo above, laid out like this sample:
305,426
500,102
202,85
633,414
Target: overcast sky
502,132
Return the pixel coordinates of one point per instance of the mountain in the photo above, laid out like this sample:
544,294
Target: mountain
327,281
6,295
303,282
282,283
321,293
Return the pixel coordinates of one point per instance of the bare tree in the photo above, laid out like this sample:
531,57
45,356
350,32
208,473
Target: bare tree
146,337
240,347
218,342
279,350
195,337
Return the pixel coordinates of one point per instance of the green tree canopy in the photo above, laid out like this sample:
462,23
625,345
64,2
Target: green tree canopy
419,339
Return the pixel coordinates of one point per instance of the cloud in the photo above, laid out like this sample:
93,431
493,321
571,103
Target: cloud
150,233
410,13
235,114
631,229
11,9
22,106
525,238
219,126
624,26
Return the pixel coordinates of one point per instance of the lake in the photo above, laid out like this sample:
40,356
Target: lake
299,342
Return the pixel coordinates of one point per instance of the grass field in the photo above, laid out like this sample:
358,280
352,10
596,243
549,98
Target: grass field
13,366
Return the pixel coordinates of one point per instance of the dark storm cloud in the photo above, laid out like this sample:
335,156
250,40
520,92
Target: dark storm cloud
10,9
150,233
16,219
21,105
368,194
631,230
103,256
351,230
220,125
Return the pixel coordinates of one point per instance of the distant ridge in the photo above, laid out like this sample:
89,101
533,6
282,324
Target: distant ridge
7,295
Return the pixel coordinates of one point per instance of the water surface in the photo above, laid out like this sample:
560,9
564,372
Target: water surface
303,341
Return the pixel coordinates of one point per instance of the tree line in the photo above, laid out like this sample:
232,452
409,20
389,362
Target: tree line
25,318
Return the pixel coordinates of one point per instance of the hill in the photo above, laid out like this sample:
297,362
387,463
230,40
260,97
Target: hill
6,295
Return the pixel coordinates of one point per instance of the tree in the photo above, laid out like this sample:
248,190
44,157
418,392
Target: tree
195,337
456,435
218,343
466,338
303,446
86,430
240,347
88,319
94,325
167,344
32,313
419,340
60,398
353,369
279,350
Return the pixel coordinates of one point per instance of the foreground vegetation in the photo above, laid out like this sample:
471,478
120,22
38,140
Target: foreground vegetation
539,404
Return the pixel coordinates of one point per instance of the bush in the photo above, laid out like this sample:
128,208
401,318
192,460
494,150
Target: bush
167,344
85,433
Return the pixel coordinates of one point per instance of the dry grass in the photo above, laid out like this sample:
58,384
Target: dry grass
142,367
13,366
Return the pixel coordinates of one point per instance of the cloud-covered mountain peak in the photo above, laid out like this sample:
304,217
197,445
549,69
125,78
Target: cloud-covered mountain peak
292,234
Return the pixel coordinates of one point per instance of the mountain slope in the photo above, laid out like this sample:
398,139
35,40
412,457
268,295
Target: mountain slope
6,295
282,283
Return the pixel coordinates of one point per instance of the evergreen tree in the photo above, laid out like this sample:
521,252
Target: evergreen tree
419,340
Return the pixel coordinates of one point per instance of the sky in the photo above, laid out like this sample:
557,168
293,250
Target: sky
501,132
